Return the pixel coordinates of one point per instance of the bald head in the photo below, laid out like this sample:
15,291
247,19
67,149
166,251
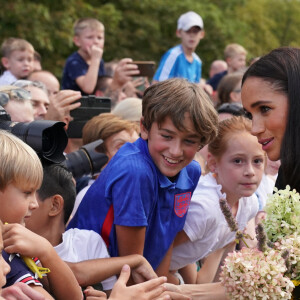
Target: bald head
48,79
217,66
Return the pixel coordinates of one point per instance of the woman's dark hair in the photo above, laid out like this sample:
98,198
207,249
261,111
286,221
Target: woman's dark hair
281,68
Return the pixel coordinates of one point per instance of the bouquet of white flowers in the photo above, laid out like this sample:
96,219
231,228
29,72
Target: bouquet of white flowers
267,273
253,274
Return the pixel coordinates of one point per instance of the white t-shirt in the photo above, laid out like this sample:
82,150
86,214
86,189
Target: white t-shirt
7,78
79,245
205,223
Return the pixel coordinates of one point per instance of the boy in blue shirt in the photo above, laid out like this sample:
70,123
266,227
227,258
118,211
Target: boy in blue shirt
181,60
84,66
139,202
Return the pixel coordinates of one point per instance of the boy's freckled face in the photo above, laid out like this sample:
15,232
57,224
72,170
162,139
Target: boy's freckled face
89,37
171,149
20,63
17,204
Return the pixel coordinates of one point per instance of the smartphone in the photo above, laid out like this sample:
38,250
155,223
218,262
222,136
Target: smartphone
146,68
91,106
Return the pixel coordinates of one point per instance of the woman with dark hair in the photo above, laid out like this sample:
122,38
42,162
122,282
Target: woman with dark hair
270,96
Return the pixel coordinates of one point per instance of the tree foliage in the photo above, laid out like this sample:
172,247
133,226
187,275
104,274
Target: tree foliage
145,29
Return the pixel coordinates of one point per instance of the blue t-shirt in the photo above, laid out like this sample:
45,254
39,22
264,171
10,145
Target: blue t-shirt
19,271
174,64
215,80
131,191
75,67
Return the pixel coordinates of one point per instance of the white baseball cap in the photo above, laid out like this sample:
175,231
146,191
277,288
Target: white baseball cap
188,20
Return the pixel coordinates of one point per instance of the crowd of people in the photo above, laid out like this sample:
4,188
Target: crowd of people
148,224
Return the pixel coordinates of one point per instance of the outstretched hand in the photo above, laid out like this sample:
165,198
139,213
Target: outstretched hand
149,290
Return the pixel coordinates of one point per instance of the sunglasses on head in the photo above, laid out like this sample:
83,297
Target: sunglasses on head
15,94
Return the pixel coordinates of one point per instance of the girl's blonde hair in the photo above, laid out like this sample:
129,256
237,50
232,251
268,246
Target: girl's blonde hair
227,128
19,164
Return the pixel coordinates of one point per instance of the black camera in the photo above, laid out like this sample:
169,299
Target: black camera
86,160
91,106
47,138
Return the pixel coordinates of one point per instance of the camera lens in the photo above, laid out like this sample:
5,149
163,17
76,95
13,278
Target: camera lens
86,160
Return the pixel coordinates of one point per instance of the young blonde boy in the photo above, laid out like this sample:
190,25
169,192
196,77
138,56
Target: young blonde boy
83,67
181,60
17,58
235,57
20,176
139,202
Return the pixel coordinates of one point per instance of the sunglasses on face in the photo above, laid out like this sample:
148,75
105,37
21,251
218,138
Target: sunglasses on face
15,94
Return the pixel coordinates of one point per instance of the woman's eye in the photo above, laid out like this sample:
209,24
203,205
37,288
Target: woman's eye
166,137
264,109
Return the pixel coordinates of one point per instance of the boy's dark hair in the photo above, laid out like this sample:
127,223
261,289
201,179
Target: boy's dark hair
281,69
173,98
58,180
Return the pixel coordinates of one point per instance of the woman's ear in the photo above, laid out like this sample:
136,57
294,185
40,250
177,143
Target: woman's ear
144,131
57,205
211,163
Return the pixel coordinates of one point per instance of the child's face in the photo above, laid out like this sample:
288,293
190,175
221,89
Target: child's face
88,38
171,149
38,220
17,203
240,168
191,38
4,267
237,63
20,63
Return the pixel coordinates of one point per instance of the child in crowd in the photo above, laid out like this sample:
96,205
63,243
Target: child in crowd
17,58
139,202
83,67
181,60
84,250
229,88
236,162
20,176
235,57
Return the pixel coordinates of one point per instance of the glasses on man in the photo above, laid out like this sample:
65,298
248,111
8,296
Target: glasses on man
14,94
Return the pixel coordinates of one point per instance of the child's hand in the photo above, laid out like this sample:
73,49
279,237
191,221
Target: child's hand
152,289
95,52
21,291
143,271
18,239
92,294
